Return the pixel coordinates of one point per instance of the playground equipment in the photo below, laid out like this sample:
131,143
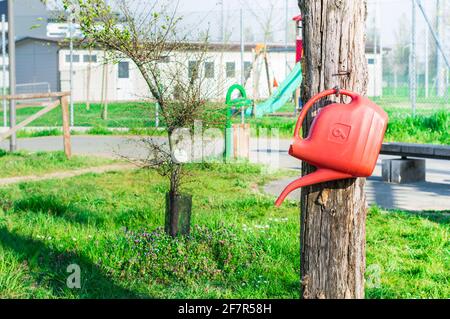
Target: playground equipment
281,96
278,99
290,85
344,140
239,102
233,132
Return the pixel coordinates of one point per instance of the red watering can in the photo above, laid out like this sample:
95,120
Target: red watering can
344,140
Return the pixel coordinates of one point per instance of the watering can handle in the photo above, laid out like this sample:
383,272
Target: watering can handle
312,101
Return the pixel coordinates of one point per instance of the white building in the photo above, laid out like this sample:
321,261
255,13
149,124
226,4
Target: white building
44,60
125,83
375,73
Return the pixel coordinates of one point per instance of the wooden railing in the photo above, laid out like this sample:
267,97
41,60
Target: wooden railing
62,99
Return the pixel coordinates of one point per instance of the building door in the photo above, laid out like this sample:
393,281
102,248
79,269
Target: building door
124,83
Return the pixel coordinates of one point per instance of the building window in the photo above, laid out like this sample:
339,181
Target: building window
164,59
124,70
371,61
90,58
231,69
209,70
76,58
193,70
247,69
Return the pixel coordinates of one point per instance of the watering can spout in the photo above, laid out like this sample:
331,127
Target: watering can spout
319,176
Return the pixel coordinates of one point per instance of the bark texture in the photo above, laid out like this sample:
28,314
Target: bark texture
333,215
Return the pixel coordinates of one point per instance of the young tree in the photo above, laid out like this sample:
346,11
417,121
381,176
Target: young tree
333,214
148,34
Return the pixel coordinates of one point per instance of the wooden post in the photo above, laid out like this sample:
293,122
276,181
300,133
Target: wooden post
104,114
66,126
266,62
88,81
241,141
333,214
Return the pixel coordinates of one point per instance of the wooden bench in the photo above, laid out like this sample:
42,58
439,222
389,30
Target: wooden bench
410,170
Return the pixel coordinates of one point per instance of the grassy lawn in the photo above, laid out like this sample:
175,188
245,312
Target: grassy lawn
133,114
241,247
430,126
25,163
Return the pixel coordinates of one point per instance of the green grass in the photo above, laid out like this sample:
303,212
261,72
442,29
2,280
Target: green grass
240,247
411,252
429,126
25,163
429,129
133,114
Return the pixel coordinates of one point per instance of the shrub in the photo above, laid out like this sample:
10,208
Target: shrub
208,254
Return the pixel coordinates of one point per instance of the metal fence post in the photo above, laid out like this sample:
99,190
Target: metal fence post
12,74
412,73
5,115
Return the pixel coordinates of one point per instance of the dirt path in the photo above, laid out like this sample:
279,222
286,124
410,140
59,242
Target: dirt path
66,174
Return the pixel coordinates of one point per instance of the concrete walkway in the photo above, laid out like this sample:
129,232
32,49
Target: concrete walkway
434,194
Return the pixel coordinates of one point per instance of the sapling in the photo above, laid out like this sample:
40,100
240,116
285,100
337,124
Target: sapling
149,34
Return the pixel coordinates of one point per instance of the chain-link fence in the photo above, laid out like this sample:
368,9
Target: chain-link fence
397,77
414,37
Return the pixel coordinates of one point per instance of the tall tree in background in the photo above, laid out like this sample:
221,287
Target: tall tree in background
333,214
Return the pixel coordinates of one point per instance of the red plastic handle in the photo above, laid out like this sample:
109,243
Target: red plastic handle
313,100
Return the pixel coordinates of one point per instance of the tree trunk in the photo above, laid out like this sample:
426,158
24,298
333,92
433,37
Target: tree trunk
178,207
333,214
178,214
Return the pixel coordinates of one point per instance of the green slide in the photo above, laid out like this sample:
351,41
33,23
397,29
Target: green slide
282,95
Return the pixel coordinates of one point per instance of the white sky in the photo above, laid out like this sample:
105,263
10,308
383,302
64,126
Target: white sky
391,11
205,14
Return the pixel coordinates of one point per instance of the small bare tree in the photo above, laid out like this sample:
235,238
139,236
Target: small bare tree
148,34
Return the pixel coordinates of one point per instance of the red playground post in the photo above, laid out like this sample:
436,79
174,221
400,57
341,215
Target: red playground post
299,39
299,55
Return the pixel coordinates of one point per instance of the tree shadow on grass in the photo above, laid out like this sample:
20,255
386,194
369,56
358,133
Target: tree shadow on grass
52,205
73,213
436,217
48,267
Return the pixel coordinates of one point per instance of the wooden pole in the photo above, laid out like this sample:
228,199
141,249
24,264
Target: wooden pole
266,62
104,114
333,214
66,126
105,93
88,81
